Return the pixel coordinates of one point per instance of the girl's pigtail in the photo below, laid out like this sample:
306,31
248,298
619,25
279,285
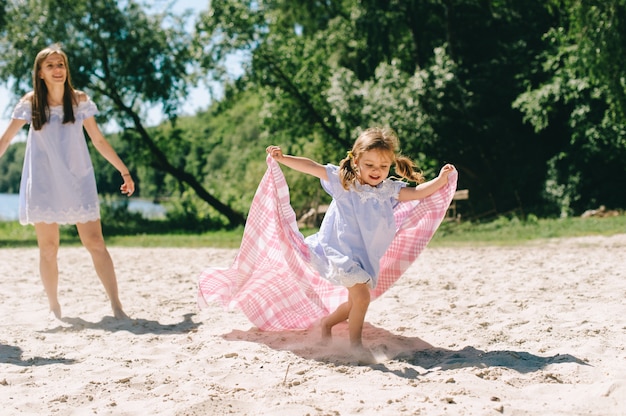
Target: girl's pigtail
406,168
347,173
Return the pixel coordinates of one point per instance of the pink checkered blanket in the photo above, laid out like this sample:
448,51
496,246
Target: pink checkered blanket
271,280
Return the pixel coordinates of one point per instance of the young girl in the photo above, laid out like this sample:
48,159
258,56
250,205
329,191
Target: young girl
279,270
58,183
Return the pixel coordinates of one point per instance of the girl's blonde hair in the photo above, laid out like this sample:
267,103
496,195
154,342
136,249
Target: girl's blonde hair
382,139
40,108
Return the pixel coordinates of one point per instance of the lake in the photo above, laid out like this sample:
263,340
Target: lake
9,207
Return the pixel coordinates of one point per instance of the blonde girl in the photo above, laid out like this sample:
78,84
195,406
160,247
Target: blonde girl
359,225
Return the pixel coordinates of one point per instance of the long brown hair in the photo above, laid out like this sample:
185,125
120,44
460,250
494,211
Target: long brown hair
382,139
40,108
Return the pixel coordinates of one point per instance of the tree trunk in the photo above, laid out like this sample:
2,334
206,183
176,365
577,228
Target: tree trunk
160,160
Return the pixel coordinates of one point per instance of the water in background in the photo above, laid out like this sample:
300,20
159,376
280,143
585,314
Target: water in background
9,207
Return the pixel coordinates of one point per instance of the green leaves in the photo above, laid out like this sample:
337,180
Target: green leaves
520,96
120,54
129,60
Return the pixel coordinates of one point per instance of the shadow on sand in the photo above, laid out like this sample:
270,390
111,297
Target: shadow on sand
10,354
383,346
137,326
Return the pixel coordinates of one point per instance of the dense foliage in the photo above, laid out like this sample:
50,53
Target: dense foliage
126,57
527,99
461,81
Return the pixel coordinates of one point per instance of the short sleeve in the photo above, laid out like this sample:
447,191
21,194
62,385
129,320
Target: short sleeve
333,184
86,109
395,187
23,111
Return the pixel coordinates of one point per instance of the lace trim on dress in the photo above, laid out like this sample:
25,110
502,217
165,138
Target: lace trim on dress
383,192
350,279
69,216
339,276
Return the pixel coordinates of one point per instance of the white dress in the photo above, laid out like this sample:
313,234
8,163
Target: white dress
356,231
58,182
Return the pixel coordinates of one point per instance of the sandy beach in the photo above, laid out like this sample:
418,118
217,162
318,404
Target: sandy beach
536,329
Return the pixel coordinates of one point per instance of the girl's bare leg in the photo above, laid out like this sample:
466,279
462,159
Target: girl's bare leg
353,310
93,240
339,315
48,242
360,298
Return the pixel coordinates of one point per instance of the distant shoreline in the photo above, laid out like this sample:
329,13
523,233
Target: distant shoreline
9,207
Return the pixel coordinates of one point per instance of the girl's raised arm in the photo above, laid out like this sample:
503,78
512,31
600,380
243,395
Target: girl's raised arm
301,164
426,189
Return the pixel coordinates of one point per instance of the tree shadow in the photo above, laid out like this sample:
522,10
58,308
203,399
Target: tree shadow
10,354
137,326
382,346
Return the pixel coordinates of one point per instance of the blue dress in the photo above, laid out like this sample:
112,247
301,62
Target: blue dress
356,231
58,181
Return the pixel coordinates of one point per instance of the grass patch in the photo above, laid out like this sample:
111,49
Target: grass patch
12,234
216,239
513,231
502,231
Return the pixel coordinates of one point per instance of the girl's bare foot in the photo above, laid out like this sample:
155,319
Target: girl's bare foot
56,311
362,355
118,313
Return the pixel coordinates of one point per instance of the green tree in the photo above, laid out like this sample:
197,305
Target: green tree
11,168
444,73
580,94
127,59
3,18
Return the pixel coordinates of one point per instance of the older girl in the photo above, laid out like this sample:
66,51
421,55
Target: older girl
58,183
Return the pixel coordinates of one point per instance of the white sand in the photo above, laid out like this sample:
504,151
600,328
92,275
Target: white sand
538,329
